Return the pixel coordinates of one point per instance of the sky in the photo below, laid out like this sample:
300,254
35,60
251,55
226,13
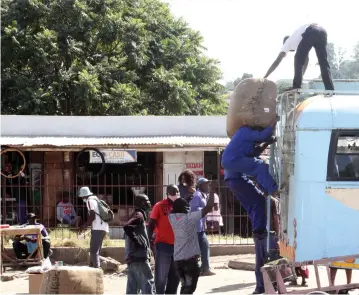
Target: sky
246,36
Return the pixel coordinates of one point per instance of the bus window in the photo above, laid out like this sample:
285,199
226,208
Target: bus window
344,157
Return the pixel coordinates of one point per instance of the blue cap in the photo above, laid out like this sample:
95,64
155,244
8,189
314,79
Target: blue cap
202,180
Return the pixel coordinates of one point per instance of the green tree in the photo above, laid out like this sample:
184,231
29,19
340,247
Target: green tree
104,57
342,68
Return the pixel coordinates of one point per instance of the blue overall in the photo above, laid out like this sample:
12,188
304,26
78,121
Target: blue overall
254,203
240,155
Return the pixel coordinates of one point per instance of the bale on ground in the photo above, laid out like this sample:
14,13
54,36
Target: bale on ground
72,280
253,103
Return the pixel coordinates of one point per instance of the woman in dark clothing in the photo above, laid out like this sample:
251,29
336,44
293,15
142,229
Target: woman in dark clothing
187,184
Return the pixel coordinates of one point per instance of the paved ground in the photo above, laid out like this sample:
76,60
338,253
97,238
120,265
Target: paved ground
226,281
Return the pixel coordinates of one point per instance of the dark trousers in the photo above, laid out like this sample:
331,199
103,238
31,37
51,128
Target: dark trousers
188,271
251,199
204,246
20,249
140,278
316,37
260,247
166,276
97,237
256,168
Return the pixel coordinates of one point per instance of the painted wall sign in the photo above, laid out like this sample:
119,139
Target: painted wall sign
194,166
197,168
114,156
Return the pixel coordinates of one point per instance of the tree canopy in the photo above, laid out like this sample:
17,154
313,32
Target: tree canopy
341,67
104,57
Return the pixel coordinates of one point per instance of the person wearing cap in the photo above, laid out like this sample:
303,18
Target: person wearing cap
198,202
186,249
99,228
23,250
166,277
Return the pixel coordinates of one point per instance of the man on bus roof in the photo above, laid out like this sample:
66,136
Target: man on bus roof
302,41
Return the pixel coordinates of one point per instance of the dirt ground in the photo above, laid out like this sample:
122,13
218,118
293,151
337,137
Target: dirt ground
226,281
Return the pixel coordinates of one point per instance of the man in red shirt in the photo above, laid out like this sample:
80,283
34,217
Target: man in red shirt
166,277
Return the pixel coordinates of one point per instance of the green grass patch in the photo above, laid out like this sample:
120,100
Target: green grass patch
64,237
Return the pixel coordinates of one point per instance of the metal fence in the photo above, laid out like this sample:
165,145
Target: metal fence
48,201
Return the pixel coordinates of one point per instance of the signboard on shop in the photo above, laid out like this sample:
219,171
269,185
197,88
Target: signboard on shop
197,168
114,156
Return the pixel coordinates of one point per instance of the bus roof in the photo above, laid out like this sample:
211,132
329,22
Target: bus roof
328,112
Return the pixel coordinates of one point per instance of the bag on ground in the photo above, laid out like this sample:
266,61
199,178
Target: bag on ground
105,212
253,103
72,280
287,271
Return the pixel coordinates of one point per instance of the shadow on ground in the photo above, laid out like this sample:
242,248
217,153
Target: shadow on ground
229,288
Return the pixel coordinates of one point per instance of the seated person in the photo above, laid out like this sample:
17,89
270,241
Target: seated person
23,250
242,152
66,213
215,214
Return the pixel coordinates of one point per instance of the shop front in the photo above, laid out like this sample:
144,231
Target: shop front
45,160
64,153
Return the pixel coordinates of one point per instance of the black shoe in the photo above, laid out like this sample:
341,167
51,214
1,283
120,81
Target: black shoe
258,292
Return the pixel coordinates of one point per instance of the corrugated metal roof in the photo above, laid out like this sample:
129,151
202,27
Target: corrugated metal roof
109,141
113,126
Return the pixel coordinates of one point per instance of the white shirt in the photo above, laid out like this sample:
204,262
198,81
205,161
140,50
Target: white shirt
294,40
216,215
97,224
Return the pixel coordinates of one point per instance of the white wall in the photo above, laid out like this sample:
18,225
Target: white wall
175,162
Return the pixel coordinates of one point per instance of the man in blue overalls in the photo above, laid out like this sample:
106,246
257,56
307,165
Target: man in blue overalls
252,199
242,156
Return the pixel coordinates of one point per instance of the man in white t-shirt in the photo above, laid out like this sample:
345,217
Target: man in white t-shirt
99,228
302,41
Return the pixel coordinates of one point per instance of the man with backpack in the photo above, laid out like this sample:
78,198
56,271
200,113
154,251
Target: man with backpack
99,216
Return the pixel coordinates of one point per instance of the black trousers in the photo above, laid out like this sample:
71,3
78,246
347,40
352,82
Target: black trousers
314,36
188,271
20,249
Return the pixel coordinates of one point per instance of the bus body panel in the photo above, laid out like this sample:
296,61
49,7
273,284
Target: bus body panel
322,218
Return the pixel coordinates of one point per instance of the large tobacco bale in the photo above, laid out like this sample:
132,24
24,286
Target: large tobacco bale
253,103
72,280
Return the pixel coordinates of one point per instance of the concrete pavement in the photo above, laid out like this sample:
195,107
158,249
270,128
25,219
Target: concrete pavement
226,281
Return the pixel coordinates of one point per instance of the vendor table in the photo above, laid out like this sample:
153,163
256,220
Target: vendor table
32,259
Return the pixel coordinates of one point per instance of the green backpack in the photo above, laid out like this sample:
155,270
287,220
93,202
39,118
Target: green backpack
105,212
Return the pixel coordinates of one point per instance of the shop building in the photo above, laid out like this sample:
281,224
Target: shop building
142,154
